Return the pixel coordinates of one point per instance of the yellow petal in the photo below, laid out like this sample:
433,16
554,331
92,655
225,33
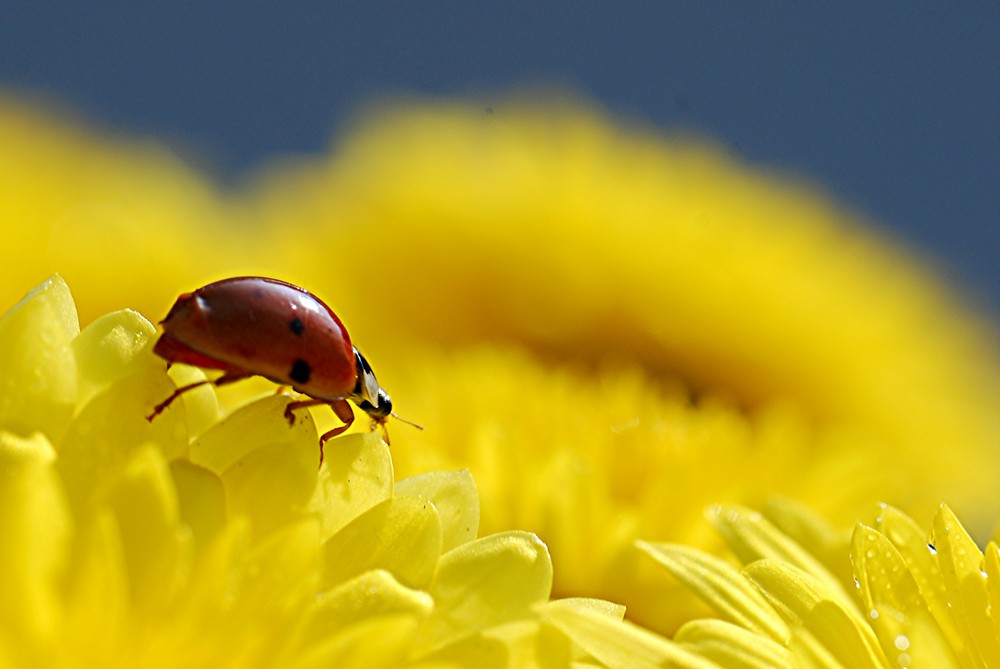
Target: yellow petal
622,644
273,483
601,606
721,586
456,499
37,366
356,475
551,646
282,573
809,653
369,644
961,565
196,411
35,526
991,565
732,646
106,348
157,546
120,383
401,535
810,601
579,516
525,644
752,537
374,595
368,595
98,582
221,571
487,582
807,528
201,501
896,610
253,426
911,542
103,436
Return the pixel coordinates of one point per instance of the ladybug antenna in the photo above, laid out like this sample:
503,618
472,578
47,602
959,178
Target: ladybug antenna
408,422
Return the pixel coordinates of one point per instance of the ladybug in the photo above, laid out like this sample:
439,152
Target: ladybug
253,326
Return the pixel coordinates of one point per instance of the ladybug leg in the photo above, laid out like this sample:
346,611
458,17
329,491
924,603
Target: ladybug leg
340,407
379,424
344,413
291,407
228,377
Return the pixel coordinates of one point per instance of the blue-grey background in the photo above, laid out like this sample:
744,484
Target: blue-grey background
893,107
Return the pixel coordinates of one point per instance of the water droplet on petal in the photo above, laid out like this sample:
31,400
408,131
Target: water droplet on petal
902,642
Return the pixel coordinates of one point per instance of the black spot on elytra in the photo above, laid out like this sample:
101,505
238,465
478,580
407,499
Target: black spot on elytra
258,294
301,371
296,326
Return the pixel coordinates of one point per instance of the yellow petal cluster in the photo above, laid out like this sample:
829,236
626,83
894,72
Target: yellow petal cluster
899,596
547,227
611,456
589,243
198,542
611,328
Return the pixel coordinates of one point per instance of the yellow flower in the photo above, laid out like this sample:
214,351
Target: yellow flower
190,541
610,328
917,599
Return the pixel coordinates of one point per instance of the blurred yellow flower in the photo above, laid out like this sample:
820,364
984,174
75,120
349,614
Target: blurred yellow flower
919,599
195,542
611,329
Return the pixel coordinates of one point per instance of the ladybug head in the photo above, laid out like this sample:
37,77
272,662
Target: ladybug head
366,388
378,413
371,399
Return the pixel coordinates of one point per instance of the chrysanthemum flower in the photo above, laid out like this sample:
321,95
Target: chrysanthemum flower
611,329
636,328
899,597
194,542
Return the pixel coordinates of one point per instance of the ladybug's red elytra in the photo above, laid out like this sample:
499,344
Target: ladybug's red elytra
252,326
